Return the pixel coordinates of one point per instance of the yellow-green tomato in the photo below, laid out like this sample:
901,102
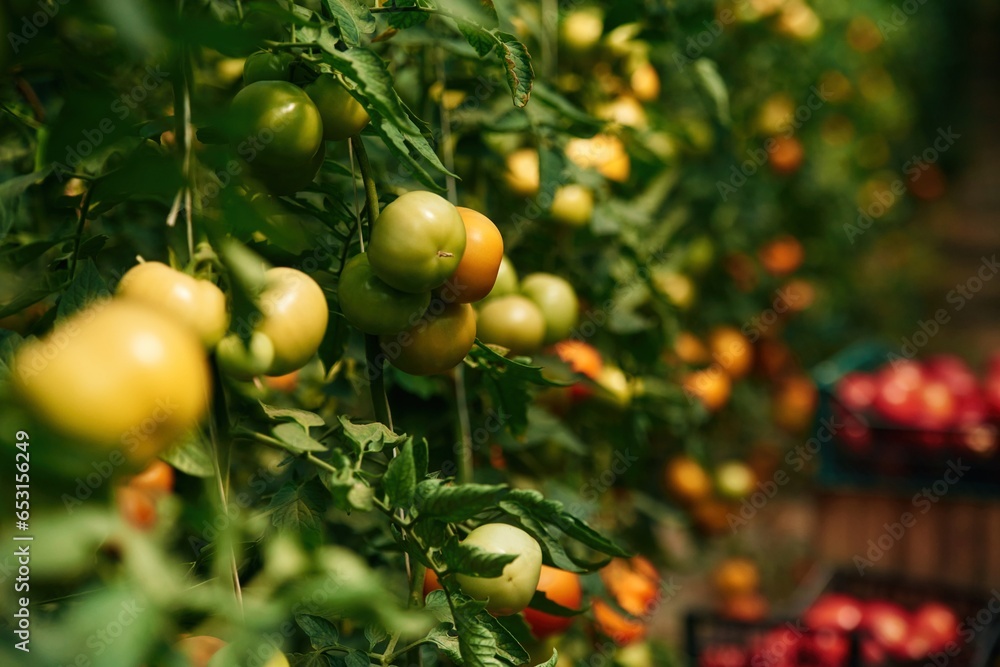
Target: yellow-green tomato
274,126
343,116
373,306
512,591
417,242
197,304
506,282
116,376
512,321
573,205
557,301
295,317
244,361
437,343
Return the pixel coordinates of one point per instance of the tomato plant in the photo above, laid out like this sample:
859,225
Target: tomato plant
512,321
557,300
343,116
476,274
436,343
266,66
512,590
560,587
373,306
295,317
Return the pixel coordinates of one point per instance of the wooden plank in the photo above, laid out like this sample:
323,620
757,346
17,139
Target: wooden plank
922,556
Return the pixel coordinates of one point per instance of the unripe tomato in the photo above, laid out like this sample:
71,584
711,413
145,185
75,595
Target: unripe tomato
603,152
228,656
512,321
343,116
522,175
266,66
196,304
582,28
116,375
374,307
275,126
417,242
506,282
561,587
731,350
645,82
244,361
290,180
295,318
437,343
477,272
556,299
573,205
512,591
735,480
157,478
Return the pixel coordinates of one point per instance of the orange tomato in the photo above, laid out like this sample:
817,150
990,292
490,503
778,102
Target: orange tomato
199,650
431,582
633,582
286,383
748,607
616,626
561,587
137,507
736,576
687,480
477,271
157,478
690,350
786,155
582,357
731,350
795,404
711,386
782,255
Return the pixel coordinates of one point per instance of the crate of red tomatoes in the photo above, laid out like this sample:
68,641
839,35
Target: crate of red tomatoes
913,419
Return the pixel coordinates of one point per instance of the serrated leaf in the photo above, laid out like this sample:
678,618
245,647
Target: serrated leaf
551,511
550,545
467,559
353,19
86,289
356,658
296,508
481,40
192,456
321,632
400,478
456,502
375,634
303,417
296,439
517,63
712,83
399,144
476,643
370,437
402,20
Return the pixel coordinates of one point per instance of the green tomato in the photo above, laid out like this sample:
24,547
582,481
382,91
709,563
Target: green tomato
374,307
343,116
275,126
437,343
266,66
557,301
514,322
295,317
506,282
512,591
244,362
417,242
573,205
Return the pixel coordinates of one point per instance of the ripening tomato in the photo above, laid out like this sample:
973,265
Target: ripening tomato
267,66
374,307
735,480
477,271
199,650
417,242
511,321
582,28
557,301
711,386
522,175
274,126
197,304
582,357
690,350
295,317
687,480
343,116
782,255
645,82
512,591
634,583
731,350
604,152
228,656
116,375
136,506
622,630
437,343
158,477
735,576
245,360
572,205
506,282
564,589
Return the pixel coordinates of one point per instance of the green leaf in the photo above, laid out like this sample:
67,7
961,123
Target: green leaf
542,603
353,19
9,341
322,633
420,458
476,643
400,478
371,437
90,247
456,502
481,40
402,20
550,545
192,455
466,559
399,144
86,289
356,658
296,508
550,171
517,62
713,85
296,438
551,511
569,111
507,381
11,192
306,419
375,635
551,662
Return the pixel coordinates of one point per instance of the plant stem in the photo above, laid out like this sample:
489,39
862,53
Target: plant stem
81,223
